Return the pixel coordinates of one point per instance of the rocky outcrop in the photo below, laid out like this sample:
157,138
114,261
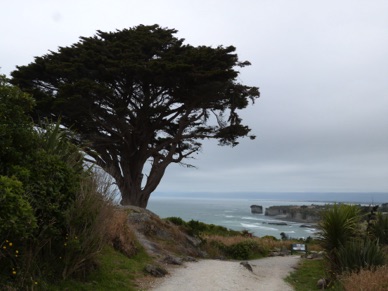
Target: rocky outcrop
257,209
155,271
296,213
278,223
162,239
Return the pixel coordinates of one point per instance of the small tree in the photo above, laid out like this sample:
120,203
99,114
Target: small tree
140,96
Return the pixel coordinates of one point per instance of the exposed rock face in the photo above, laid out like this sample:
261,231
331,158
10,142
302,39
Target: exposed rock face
161,239
257,209
296,213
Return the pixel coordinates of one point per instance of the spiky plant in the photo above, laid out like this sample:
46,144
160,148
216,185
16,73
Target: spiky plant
338,226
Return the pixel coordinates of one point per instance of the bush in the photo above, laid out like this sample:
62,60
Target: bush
359,255
17,218
17,140
338,225
195,228
53,212
349,245
176,220
245,250
379,229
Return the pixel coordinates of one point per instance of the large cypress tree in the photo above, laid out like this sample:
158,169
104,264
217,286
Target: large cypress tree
140,96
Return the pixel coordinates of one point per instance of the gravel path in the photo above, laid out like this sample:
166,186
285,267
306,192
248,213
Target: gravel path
214,275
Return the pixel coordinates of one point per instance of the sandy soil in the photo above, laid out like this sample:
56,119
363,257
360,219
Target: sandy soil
214,275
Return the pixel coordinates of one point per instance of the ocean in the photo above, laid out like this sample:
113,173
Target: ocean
235,213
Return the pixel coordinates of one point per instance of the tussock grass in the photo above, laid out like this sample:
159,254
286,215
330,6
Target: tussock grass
119,234
367,280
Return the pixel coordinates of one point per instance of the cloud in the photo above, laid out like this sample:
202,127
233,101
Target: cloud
321,123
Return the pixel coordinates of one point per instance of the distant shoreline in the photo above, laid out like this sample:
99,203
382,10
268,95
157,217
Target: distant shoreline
365,198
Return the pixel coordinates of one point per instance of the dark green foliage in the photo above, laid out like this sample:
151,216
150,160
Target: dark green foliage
349,245
339,224
283,236
140,95
198,228
379,229
16,214
245,250
357,255
51,218
177,221
17,140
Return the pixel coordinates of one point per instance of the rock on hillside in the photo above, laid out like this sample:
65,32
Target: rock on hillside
162,239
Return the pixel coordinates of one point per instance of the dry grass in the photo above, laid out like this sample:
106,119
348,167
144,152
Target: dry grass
119,234
226,240
267,243
367,280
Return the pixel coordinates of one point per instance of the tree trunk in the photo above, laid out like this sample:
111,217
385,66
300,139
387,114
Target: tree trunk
130,183
133,196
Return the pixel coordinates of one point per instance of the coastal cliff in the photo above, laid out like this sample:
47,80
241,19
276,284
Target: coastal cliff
304,213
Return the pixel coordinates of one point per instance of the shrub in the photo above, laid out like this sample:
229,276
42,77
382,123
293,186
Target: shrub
176,220
348,244
246,250
16,214
195,227
379,229
17,140
53,212
338,225
358,255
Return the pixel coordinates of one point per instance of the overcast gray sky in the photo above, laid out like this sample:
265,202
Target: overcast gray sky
322,68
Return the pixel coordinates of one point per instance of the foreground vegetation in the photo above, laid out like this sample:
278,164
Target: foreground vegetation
356,252
307,275
54,212
59,228
115,271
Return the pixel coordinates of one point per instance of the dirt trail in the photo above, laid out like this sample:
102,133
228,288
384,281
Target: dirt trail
214,275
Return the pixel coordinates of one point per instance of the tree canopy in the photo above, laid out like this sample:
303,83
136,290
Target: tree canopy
137,96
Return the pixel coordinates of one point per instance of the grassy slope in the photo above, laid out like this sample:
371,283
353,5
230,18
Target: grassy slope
115,272
307,274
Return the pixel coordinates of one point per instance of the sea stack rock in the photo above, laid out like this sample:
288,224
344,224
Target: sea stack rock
257,209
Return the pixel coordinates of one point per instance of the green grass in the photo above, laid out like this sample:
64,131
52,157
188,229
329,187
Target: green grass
115,272
307,274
